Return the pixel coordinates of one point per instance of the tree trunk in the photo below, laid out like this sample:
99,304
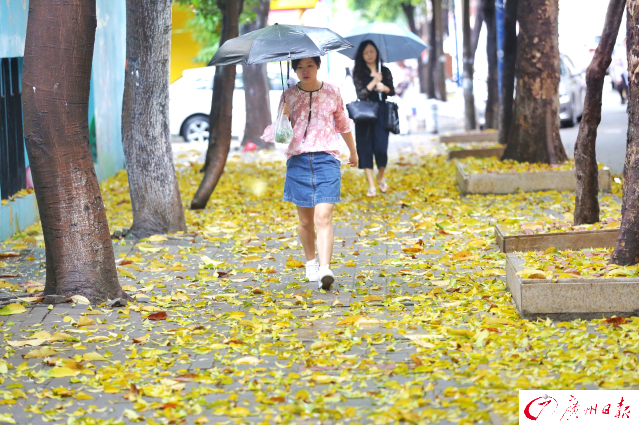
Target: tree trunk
257,87
586,202
474,38
534,136
469,96
221,109
439,43
508,69
432,53
422,72
146,138
627,249
55,90
492,103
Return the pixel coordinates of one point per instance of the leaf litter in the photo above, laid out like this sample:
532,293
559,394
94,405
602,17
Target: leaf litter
423,333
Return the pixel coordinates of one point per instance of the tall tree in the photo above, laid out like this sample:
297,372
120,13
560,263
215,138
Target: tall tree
146,138
422,68
586,202
432,54
479,20
534,136
221,109
55,86
438,45
627,248
508,69
257,87
469,97
492,83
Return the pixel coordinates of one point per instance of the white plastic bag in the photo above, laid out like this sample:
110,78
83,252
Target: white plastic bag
283,129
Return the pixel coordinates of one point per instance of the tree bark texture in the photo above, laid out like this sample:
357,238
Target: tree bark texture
469,96
55,90
432,54
146,138
627,248
508,69
221,109
257,87
492,103
586,202
439,44
534,136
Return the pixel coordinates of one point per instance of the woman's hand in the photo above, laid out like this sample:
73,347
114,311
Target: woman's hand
287,111
382,88
353,160
377,77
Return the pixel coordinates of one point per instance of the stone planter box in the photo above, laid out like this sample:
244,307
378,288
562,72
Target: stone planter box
568,299
470,136
504,183
478,153
604,238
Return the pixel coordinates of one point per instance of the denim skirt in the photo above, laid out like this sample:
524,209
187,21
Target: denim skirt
312,178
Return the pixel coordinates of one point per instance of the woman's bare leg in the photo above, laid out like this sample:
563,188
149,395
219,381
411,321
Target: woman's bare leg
306,231
380,174
369,178
324,225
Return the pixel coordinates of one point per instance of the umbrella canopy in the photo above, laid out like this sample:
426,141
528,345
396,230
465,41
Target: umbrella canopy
394,43
278,43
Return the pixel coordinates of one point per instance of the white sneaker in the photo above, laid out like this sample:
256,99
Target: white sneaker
325,278
312,269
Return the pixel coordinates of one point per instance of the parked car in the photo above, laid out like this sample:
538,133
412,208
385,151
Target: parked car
190,103
572,92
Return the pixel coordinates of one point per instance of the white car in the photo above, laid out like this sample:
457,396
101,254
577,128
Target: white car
190,103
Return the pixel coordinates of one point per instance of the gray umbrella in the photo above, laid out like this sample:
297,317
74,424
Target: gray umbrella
394,43
278,43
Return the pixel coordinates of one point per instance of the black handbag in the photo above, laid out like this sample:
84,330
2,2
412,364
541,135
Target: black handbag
392,117
363,110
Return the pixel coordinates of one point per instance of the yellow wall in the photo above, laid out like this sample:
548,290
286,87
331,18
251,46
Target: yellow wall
183,47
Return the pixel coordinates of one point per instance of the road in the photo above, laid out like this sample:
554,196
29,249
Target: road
611,135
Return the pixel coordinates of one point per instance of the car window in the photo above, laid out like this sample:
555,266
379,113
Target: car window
562,67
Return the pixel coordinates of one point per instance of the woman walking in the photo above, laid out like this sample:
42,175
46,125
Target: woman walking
313,176
373,84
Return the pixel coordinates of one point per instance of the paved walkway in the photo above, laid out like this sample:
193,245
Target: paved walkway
418,328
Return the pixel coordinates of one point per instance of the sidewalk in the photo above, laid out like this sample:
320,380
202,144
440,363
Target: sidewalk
418,328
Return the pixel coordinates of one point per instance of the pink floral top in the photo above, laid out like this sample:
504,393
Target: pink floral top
327,118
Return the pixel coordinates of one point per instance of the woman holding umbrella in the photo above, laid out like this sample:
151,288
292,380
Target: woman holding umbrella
372,137
313,176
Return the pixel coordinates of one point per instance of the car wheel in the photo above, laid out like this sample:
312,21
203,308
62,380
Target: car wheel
196,129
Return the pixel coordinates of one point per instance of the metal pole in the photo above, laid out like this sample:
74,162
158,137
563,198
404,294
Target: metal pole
459,80
499,21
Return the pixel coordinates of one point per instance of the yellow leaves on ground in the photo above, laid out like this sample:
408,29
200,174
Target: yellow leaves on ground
293,263
250,360
463,255
372,298
85,321
40,353
12,309
94,357
79,299
356,319
532,274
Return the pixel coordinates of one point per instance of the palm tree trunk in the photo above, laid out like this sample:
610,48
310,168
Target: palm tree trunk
55,86
586,202
146,138
534,136
221,109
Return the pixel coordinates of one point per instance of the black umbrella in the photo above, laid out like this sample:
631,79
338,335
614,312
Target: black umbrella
278,43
